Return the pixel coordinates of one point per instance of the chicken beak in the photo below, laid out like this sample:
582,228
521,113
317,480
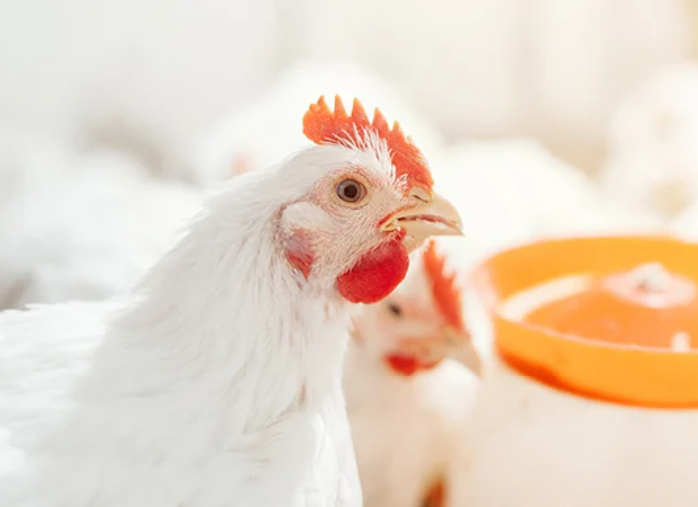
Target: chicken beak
432,216
461,349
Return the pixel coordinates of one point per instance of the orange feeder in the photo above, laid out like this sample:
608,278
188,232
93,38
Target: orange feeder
618,321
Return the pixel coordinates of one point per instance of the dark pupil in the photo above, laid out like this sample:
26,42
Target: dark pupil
350,191
395,309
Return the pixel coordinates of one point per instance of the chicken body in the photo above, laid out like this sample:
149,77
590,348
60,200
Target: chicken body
404,429
685,225
87,230
185,398
217,381
113,426
515,190
653,160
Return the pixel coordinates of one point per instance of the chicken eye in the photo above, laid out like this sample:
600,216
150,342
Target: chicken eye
351,191
395,309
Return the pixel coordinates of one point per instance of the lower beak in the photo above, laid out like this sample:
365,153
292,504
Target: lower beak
432,216
462,350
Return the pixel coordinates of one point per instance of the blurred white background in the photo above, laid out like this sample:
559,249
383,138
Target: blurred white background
159,72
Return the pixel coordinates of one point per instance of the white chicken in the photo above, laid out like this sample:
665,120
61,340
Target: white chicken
265,131
685,225
84,226
407,402
515,190
29,160
218,381
385,383
653,161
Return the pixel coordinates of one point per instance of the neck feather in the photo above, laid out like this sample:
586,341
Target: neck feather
223,314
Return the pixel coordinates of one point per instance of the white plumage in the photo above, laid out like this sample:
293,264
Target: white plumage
515,190
685,225
405,429
192,396
84,226
653,161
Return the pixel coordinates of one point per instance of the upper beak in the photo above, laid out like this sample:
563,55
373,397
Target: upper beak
432,216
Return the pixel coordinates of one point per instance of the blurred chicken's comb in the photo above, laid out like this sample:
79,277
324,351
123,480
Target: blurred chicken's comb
444,289
322,126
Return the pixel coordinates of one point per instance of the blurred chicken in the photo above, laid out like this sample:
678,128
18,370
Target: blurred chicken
685,225
515,190
653,160
510,192
266,131
407,401
83,226
33,160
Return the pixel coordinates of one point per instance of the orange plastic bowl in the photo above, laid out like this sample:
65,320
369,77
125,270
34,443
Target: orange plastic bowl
648,374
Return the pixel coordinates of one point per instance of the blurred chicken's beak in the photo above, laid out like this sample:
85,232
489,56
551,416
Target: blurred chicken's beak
432,216
461,349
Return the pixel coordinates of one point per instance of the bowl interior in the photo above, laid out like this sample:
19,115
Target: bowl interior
623,371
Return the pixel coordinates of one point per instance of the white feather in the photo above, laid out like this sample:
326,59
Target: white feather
85,227
515,190
653,160
685,224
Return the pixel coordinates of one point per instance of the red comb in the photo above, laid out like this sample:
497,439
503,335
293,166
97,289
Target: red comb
447,295
321,125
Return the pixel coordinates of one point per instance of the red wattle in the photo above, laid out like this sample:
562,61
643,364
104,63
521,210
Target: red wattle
376,274
408,365
404,365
